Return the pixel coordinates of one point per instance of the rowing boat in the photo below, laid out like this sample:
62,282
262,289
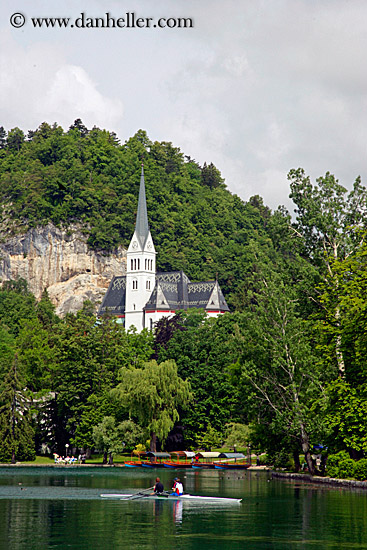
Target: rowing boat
185,498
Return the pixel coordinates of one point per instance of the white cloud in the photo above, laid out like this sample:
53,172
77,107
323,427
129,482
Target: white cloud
38,85
73,92
257,88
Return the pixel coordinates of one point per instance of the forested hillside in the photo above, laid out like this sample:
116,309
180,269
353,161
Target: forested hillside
284,372
88,177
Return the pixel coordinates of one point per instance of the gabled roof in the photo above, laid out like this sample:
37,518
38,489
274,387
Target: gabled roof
158,455
174,291
169,292
232,455
206,295
115,297
208,454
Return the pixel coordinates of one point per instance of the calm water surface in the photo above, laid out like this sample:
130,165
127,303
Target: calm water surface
61,508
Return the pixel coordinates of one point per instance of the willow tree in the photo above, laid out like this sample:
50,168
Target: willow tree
153,394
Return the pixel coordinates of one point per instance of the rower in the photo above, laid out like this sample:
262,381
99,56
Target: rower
158,487
177,486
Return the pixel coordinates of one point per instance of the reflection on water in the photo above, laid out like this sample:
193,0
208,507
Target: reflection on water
44,508
177,511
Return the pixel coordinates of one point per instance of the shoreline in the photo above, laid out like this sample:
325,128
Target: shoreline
333,481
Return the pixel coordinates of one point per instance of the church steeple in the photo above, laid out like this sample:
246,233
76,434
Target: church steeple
140,265
142,224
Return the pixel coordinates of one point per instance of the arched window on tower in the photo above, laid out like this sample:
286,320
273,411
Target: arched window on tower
138,263
132,265
148,285
135,284
145,263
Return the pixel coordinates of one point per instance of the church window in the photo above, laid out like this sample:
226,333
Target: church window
151,324
145,263
135,284
148,285
138,263
134,308
135,263
132,265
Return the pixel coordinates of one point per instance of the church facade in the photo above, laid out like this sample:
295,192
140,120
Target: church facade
142,296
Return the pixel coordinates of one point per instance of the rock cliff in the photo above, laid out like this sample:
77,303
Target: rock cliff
61,262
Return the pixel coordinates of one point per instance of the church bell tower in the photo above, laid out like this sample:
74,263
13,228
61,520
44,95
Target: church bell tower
141,265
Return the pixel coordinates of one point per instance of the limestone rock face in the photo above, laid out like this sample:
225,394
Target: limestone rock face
60,261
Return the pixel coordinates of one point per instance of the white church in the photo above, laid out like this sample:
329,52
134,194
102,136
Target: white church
142,296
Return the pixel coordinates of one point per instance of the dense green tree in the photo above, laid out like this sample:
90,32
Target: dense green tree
108,438
88,177
15,139
16,305
2,137
279,362
89,356
16,432
203,350
237,435
152,394
329,220
211,176
347,397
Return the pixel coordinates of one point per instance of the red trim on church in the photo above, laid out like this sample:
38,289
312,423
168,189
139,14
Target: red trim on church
159,311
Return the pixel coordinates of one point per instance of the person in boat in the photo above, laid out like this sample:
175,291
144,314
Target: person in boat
158,487
177,486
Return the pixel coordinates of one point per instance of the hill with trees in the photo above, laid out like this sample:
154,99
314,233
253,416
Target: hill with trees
286,368
89,178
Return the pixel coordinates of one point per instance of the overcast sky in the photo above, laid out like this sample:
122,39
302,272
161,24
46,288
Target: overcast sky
256,87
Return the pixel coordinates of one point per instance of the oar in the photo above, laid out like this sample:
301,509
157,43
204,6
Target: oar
140,494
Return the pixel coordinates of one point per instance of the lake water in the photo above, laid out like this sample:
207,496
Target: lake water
42,508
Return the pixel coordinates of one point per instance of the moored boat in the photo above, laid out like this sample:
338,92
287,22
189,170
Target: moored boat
231,461
134,463
156,460
183,459
205,460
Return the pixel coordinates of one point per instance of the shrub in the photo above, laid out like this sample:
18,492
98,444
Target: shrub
360,470
333,462
281,459
346,468
264,460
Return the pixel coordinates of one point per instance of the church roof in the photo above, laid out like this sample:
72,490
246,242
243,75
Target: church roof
114,300
174,291
142,224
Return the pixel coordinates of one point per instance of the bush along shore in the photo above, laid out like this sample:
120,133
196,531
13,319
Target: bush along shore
351,483
340,470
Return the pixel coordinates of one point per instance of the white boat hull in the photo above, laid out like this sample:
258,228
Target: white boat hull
188,498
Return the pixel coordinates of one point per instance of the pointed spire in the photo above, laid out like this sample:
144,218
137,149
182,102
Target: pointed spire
142,225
